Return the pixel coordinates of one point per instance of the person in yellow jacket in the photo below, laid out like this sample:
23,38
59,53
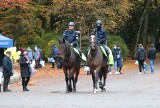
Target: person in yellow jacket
111,61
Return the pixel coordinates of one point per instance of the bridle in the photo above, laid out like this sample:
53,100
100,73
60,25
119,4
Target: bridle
66,52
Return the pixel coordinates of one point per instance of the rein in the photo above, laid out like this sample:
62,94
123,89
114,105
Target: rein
66,53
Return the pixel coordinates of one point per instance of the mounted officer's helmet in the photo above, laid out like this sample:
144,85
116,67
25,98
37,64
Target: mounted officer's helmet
98,22
71,24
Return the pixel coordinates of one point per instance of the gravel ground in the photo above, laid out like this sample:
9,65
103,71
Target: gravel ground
47,90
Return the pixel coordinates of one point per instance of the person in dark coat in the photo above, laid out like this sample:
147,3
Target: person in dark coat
7,71
152,56
119,59
114,52
54,54
141,57
71,36
101,37
24,68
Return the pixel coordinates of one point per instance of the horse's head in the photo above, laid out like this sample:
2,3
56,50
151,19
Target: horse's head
64,46
93,41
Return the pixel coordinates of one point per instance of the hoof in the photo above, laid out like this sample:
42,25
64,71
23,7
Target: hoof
74,90
67,91
94,91
70,88
100,85
103,90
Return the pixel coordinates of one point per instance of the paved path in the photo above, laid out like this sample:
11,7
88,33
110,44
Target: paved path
47,90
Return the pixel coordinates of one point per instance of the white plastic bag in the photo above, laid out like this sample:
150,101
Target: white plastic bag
33,63
32,70
86,69
136,62
50,59
42,63
53,60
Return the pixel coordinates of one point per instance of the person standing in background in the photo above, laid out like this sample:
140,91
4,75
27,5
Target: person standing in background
114,52
111,61
119,59
25,69
40,52
152,56
36,57
30,54
54,54
141,57
7,71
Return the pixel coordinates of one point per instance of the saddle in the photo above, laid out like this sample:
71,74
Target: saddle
83,57
102,49
110,58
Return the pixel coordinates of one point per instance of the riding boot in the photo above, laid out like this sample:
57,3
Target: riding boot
107,52
80,53
107,58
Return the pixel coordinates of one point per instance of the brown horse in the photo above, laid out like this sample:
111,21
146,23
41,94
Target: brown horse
71,65
98,65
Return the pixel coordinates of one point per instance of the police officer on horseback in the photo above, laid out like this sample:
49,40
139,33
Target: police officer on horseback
71,36
101,36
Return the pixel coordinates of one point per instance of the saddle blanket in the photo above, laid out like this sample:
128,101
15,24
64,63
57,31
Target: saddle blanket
111,61
102,49
83,57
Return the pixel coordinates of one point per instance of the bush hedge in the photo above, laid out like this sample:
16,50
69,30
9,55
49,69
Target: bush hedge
111,40
45,42
118,41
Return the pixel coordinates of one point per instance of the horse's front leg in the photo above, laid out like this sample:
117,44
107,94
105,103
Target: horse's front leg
96,81
75,79
70,77
100,78
93,78
104,82
66,78
105,71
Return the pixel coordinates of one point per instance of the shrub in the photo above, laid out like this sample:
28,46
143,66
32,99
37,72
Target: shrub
46,42
118,41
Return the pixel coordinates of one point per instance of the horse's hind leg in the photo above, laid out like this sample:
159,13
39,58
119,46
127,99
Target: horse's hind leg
100,82
104,82
70,84
104,79
74,84
75,80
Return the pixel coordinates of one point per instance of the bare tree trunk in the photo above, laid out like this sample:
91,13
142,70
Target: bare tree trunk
141,23
145,29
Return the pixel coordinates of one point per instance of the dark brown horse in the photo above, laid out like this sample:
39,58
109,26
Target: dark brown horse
71,65
97,63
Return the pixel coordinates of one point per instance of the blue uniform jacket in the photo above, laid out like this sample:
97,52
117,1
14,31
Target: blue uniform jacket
71,36
101,35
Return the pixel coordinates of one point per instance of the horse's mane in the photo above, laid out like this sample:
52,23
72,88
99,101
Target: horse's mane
68,51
